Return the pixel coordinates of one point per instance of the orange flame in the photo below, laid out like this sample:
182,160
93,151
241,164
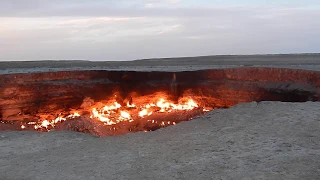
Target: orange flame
115,113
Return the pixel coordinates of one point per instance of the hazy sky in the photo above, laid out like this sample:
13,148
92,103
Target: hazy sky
135,29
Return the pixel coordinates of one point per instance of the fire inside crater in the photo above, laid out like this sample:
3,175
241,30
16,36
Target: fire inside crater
112,115
107,103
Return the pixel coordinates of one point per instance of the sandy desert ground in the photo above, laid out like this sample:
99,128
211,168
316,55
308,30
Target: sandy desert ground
296,61
266,140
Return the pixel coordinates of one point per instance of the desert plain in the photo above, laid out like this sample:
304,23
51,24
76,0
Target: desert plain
255,140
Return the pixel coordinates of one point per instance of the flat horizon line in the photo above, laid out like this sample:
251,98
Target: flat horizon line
166,58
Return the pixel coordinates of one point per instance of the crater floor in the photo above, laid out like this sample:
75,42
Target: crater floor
268,140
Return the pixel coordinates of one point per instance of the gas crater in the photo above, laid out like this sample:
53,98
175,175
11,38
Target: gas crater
107,103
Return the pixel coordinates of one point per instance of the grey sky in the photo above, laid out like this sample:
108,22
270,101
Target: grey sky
134,29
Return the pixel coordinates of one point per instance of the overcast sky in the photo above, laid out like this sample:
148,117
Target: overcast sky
136,29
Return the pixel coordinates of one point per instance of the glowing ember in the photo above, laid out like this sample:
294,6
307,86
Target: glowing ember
130,105
144,113
125,115
74,115
101,116
46,123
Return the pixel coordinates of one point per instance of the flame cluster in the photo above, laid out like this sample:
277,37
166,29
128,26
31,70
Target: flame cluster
47,123
115,113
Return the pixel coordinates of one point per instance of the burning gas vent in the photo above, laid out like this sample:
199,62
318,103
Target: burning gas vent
118,102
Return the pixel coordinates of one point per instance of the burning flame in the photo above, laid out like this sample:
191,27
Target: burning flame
106,114
116,113
145,112
46,123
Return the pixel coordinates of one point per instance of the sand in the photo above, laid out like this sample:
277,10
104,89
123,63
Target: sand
267,140
293,61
